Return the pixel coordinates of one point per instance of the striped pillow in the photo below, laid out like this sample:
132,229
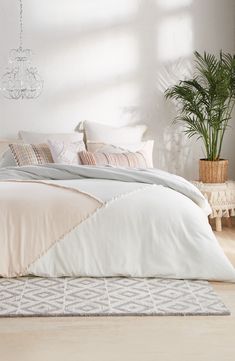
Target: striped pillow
127,160
30,154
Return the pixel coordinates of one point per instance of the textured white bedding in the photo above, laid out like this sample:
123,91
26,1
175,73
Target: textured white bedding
154,227
143,231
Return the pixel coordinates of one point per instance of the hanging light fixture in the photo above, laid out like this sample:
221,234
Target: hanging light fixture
21,80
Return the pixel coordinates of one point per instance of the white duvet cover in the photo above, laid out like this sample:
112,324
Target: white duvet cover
143,223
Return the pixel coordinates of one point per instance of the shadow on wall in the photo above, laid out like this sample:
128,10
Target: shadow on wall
110,61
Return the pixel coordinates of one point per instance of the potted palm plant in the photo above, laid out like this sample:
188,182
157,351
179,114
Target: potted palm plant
205,105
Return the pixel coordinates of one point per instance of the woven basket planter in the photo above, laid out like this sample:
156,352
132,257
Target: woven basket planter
215,171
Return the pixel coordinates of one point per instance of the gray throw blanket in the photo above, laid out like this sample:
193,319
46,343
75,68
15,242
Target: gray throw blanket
149,176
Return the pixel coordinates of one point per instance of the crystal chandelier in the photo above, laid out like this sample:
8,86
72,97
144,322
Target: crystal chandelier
21,80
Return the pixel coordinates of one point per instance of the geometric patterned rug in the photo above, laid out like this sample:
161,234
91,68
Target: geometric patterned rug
34,296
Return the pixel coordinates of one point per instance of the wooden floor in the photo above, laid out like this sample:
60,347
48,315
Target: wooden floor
125,338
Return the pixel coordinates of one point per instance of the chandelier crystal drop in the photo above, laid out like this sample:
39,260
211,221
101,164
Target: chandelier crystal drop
21,80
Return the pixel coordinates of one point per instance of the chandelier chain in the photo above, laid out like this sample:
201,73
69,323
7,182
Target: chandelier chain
21,24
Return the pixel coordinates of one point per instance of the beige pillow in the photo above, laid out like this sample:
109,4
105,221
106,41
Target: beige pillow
30,154
126,160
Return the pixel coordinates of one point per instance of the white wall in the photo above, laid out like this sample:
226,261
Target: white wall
109,61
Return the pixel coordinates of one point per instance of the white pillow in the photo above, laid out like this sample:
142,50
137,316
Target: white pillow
7,159
40,138
66,153
107,134
146,147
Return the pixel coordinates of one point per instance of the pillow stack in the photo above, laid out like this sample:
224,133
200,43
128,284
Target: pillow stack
120,147
42,148
105,145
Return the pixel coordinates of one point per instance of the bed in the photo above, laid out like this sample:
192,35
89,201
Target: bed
59,217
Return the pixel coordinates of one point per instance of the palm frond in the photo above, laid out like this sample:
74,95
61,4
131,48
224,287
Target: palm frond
206,101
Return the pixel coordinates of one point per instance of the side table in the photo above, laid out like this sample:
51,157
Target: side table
221,197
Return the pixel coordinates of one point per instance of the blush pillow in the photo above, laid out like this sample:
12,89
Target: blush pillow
30,154
146,147
107,134
66,153
127,160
